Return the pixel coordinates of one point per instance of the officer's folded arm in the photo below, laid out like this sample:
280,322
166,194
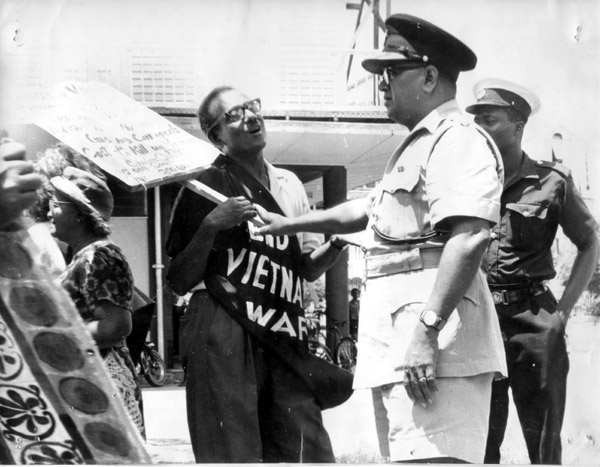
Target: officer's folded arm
460,261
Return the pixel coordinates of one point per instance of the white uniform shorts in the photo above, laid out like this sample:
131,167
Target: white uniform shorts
456,425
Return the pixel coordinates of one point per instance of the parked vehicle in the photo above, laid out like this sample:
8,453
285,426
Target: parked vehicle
151,365
344,353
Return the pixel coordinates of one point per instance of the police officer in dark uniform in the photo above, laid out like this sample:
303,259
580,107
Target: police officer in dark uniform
538,196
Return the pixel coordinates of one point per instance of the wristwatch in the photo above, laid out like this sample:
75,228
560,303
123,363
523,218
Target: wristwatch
431,319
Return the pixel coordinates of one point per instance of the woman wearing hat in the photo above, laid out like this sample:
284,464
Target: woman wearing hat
98,278
52,163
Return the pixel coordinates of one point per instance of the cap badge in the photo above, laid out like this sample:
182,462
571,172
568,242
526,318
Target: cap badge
480,94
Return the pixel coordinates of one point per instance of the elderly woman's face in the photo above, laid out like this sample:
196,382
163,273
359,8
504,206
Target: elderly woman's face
64,218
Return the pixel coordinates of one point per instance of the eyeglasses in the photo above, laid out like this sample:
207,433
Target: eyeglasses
389,72
237,113
54,203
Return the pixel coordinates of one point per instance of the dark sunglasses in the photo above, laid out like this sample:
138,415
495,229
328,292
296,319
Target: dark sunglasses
391,72
237,113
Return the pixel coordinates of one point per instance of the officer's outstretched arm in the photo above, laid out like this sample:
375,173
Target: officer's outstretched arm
348,217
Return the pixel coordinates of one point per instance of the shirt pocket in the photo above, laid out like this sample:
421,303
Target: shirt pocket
526,223
403,178
401,208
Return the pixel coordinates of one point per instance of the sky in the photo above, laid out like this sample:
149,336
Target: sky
550,46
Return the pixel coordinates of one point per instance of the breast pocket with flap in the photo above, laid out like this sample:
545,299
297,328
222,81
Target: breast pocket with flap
526,224
400,213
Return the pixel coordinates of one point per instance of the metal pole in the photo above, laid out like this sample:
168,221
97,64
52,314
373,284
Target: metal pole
375,47
158,271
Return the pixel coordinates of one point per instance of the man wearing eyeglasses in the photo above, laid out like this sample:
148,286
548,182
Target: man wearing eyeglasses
248,399
428,334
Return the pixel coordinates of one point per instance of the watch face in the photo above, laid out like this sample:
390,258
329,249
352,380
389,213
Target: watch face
430,319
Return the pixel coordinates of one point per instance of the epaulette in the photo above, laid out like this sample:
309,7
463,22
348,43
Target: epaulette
564,171
460,118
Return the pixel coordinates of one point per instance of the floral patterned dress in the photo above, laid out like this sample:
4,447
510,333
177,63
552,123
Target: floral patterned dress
100,272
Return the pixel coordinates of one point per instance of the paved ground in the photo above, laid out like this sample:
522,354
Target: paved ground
352,428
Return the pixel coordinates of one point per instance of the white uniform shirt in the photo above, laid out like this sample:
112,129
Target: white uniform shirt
461,177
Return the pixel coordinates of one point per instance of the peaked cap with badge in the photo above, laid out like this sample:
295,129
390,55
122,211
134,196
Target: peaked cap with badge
502,93
412,41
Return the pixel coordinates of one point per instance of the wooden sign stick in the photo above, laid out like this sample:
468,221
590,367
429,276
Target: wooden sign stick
214,196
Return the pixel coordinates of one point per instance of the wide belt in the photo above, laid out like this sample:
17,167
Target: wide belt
507,294
402,261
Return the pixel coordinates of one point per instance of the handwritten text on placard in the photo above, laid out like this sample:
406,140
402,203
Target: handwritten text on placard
122,136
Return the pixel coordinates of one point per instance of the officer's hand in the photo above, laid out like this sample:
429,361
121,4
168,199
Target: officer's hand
420,364
232,212
274,223
18,183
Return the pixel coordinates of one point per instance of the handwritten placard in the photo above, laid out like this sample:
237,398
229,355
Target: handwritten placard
122,136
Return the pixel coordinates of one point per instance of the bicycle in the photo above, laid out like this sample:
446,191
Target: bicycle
345,351
317,337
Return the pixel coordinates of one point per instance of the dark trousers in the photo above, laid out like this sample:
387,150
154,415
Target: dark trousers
243,405
538,364
354,329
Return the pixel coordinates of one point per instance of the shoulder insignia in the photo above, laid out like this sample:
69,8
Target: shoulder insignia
555,166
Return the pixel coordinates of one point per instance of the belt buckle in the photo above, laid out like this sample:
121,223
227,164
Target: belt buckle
500,297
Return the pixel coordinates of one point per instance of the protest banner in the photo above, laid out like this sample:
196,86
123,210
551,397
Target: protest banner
122,136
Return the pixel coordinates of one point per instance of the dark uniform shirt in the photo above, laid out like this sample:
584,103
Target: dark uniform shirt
541,198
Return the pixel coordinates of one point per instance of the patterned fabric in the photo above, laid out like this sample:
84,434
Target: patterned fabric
56,397
100,272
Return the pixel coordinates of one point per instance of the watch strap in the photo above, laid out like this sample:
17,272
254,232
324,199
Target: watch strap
437,323
333,242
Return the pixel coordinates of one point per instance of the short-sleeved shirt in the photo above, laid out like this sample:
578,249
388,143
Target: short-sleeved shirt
98,272
285,187
445,167
542,197
289,193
